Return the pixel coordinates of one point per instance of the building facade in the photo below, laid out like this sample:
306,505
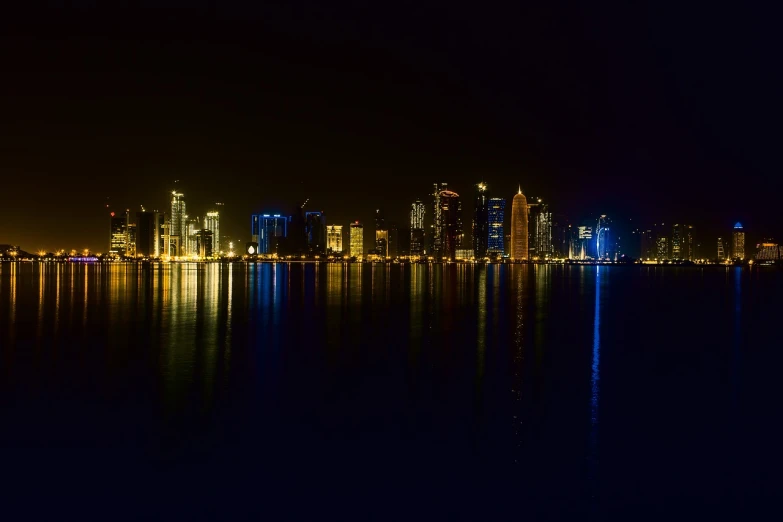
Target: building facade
480,221
334,239
496,214
519,228
177,225
357,240
451,233
118,235
212,222
738,242
417,229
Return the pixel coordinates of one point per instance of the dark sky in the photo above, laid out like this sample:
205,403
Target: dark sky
651,111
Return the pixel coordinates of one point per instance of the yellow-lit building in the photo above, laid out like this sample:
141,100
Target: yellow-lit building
519,237
357,240
334,239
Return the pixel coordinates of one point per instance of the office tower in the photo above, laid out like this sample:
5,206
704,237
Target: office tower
688,251
539,229
451,234
560,233
648,249
177,225
192,227
584,246
357,240
437,221
268,230
212,222
721,250
118,235
603,244
662,248
394,242
204,243
677,240
148,226
480,221
381,235
738,242
519,237
496,214
315,230
130,249
417,228
334,239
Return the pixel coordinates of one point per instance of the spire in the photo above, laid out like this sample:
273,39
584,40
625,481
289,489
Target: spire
520,189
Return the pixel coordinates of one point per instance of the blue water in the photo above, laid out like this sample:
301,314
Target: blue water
349,392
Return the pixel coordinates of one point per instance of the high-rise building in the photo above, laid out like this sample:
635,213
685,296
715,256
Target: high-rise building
190,241
392,249
519,233
603,243
212,222
738,242
268,230
648,249
357,240
334,239
539,229
481,221
417,228
721,250
688,250
496,214
381,235
677,233
315,229
584,245
118,235
436,246
662,248
204,243
130,249
177,225
451,233
148,225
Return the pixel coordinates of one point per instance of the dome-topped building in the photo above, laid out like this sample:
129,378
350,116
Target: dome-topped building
519,237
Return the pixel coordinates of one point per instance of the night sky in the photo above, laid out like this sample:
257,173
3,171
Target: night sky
652,111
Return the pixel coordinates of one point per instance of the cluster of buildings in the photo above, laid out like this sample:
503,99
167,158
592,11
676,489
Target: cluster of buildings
166,235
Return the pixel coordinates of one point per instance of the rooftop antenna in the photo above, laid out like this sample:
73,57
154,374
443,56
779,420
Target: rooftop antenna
305,203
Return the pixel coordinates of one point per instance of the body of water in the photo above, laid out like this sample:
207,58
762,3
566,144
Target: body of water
395,392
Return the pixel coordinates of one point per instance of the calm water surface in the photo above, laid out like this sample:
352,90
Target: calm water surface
389,392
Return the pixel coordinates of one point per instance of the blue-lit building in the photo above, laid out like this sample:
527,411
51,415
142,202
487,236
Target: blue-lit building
266,230
496,213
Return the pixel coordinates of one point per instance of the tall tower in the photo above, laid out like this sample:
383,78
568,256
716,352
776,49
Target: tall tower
496,214
738,242
519,236
417,228
334,239
212,223
451,223
177,225
381,234
437,220
357,240
480,221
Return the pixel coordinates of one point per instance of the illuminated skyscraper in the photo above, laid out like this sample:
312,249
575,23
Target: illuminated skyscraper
496,214
451,233
315,229
738,242
212,222
662,248
648,248
357,240
334,239
268,230
603,245
417,228
481,221
437,220
148,226
539,229
177,225
519,237
204,244
584,245
118,239
381,234
721,250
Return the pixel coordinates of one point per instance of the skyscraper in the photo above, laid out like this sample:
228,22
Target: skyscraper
177,225
268,230
738,242
519,237
392,250
204,244
603,245
437,220
148,226
648,249
212,222
662,248
315,227
334,239
417,228
381,235
721,250
451,233
480,221
357,240
539,229
118,234
496,214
